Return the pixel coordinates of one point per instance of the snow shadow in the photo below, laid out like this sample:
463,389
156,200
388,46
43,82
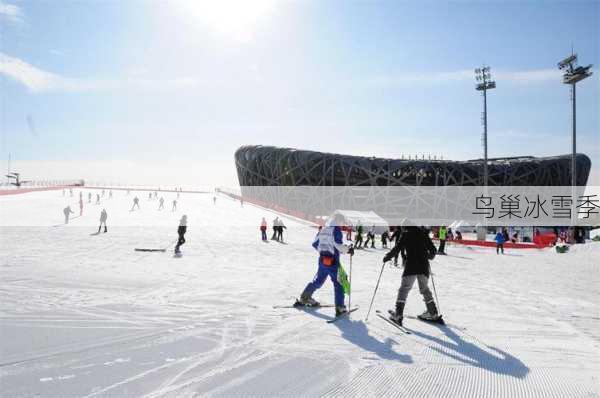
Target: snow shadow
468,353
356,332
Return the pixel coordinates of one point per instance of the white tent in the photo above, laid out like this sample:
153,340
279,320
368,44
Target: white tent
367,219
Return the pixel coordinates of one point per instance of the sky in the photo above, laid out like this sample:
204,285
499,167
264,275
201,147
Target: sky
164,92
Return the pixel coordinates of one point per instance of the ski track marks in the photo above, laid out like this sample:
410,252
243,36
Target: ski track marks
85,315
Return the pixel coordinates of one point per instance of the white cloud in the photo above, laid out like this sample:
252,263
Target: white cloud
38,80
11,12
517,77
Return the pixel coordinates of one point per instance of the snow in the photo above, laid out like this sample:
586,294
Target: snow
83,314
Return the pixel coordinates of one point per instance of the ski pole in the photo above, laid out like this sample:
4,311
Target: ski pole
436,296
375,292
350,282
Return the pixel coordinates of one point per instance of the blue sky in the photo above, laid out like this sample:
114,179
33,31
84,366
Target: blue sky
164,92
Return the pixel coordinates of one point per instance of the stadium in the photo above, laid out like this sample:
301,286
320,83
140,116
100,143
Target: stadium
273,166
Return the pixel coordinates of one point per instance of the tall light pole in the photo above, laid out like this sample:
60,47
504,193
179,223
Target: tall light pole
572,75
484,83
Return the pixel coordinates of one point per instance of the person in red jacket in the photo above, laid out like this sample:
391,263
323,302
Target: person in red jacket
263,229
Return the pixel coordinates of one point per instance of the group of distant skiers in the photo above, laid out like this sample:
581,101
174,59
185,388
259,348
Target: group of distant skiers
278,227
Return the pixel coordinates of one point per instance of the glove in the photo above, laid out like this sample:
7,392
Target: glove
351,250
387,257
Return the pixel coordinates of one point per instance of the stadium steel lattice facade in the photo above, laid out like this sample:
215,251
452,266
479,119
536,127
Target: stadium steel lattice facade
272,166
267,166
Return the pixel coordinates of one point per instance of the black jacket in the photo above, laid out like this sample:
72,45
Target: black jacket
416,248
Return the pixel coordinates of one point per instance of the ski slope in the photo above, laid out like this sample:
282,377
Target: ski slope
83,314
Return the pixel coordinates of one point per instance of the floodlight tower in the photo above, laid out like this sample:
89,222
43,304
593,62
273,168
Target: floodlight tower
484,83
572,75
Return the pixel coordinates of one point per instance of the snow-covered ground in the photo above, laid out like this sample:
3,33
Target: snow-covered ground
83,314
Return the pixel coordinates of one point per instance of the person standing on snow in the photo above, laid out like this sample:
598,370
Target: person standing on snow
89,197
80,207
67,212
385,236
161,203
280,228
359,238
370,237
136,202
181,230
442,234
263,229
275,228
419,250
499,243
329,244
97,199
174,205
103,217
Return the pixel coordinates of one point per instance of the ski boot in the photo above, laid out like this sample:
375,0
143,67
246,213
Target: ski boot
396,316
105,229
431,315
306,301
340,310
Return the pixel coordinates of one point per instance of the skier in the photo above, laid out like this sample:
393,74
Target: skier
71,192
110,194
395,238
174,205
275,228
515,237
103,217
385,236
103,193
80,207
155,195
67,211
280,228
181,230
417,249
97,199
149,195
136,202
89,197
161,204
329,244
349,233
370,237
359,239
214,200
499,243
263,229
442,234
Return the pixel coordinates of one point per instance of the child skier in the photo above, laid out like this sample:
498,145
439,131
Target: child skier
417,248
329,244
181,230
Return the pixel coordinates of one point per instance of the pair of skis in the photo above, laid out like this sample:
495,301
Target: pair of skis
299,306
438,321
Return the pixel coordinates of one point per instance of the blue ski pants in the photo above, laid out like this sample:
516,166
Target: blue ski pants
322,274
